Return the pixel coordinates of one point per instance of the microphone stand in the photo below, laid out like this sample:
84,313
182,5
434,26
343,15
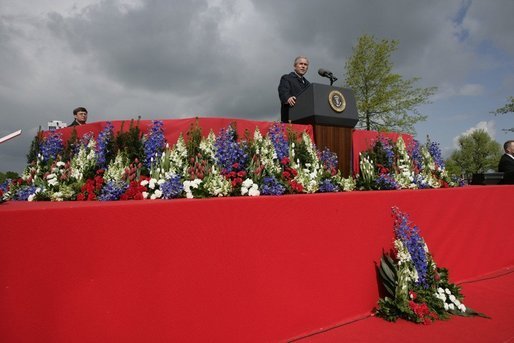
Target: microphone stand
332,80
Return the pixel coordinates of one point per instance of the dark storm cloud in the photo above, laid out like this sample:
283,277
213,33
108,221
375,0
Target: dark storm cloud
163,46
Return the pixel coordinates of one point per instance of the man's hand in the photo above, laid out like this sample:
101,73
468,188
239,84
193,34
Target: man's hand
291,101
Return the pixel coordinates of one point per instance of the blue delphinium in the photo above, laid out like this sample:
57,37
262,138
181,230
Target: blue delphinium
154,143
230,155
327,186
52,146
172,188
421,182
112,190
24,192
409,235
104,137
329,159
270,186
4,186
278,138
435,152
386,181
417,158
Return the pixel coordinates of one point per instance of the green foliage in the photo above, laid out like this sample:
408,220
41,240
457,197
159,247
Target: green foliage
130,142
8,175
34,147
508,108
385,101
477,153
71,145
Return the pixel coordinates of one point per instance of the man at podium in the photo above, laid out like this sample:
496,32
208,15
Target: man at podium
291,85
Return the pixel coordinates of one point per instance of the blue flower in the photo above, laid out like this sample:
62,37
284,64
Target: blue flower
104,137
435,152
417,158
409,235
276,134
230,155
154,143
270,186
329,159
113,190
172,188
24,192
52,146
386,181
327,186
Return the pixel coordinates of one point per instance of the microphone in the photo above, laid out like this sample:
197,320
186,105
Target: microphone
325,73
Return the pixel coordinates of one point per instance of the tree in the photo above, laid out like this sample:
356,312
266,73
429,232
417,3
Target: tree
477,153
508,108
385,101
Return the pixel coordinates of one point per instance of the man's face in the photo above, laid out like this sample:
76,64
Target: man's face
81,117
301,66
510,148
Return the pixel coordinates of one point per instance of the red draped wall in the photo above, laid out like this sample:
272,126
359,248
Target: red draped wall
174,127
261,269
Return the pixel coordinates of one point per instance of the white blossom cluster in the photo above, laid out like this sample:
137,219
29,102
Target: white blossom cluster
450,301
404,175
266,151
250,188
85,159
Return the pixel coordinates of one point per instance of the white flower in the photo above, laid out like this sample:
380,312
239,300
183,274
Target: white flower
158,193
144,183
31,197
451,306
247,183
244,190
462,308
440,290
254,191
447,291
60,164
446,306
452,298
161,181
145,195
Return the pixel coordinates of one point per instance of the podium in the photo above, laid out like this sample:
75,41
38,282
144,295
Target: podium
332,111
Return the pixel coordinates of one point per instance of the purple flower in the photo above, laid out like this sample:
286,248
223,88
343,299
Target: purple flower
52,146
154,143
409,235
112,190
435,152
270,186
277,136
327,186
386,181
172,188
416,155
104,138
329,159
24,192
230,155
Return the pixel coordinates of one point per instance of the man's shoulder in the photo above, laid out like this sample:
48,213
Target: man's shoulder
291,75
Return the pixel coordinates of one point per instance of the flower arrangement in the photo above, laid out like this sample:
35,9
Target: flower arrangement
416,288
130,165
390,165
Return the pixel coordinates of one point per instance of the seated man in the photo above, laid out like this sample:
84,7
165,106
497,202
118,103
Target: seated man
506,164
80,114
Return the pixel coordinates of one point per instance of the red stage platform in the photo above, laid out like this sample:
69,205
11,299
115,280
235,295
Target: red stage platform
262,269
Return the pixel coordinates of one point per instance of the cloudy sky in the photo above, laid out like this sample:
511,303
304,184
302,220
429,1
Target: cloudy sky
175,59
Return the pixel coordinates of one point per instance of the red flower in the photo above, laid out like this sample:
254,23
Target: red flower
285,161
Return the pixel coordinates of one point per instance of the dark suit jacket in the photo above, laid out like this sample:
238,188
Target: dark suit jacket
506,164
290,85
75,123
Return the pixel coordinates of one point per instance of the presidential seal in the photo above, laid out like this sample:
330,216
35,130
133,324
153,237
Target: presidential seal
337,101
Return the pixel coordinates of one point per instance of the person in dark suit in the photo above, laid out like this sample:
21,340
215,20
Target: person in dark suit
506,164
291,85
80,115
